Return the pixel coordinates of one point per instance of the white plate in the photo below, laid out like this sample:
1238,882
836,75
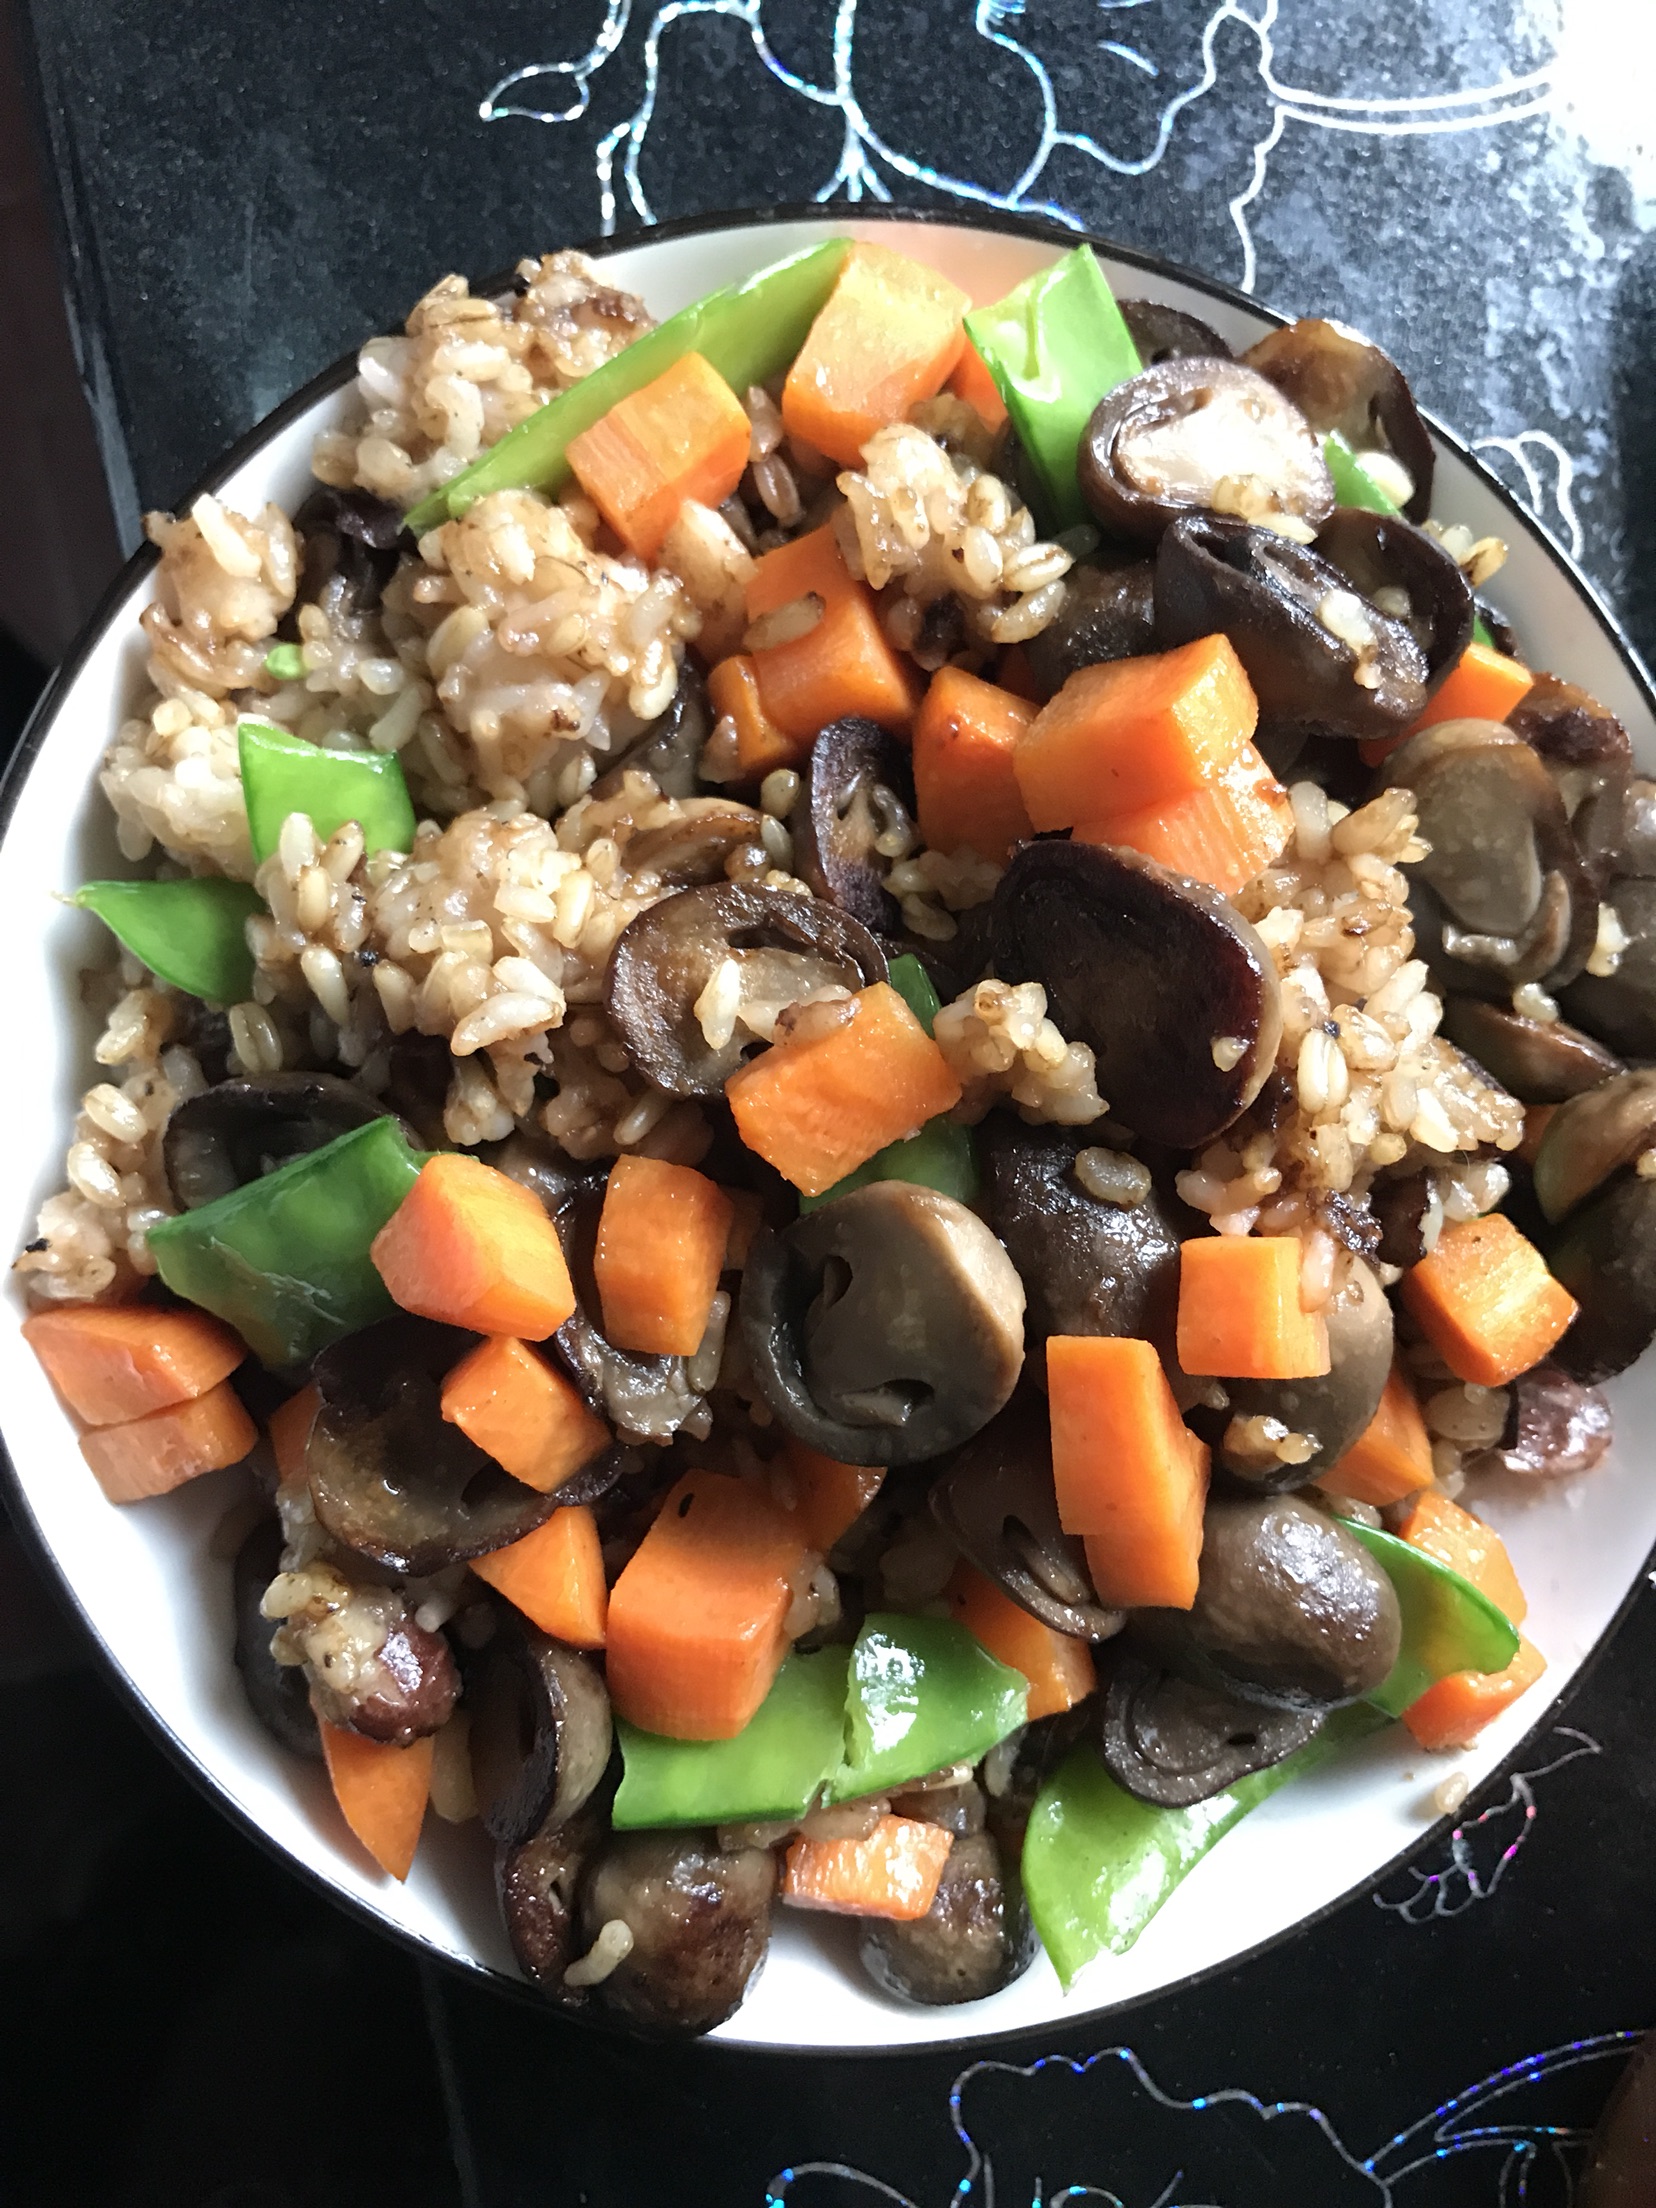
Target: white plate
152,1593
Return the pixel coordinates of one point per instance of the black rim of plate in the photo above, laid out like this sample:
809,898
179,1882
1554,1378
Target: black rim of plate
114,603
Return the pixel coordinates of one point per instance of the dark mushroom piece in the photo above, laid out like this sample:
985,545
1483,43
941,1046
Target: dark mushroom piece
351,543
1172,1743
646,1399
1537,1061
1340,380
960,1807
1605,1255
997,1504
670,749
1620,1008
277,1693
1107,613
855,789
1329,1412
1165,982
784,947
1591,1137
1406,575
1555,1427
1635,850
1401,1206
1291,1610
886,1327
1589,755
706,841
698,1917
1168,333
540,1734
1176,438
974,1939
1320,659
367,1661
238,1131
538,1884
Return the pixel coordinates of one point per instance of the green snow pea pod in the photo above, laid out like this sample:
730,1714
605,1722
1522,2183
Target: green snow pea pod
1447,1624
192,933
941,1155
1353,484
285,1259
283,774
1098,1863
1054,346
923,1693
773,1768
749,332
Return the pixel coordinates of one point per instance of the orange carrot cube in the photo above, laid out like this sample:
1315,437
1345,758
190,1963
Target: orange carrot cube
661,1248
965,736
1486,1302
472,1248
1131,1478
683,436
1239,1310
893,1872
887,338
160,1451
555,1576
519,1410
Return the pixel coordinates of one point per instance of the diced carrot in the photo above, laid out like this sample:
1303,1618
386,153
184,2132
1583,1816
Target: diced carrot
289,1429
965,736
1486,1302
1014,673
1059,1668
811,565
661,1248
972,382
160,1451
504,1396
381,1791
888,337
1536,1117
845,664
555,1576
1131,1478
1392,1456
1454,1712
1442,1529
816,1107
470,1247
683,436
1239,1309
1133,733
112,1362
1223,832
895,1872
1484,685
829,1497
733,692
695,1634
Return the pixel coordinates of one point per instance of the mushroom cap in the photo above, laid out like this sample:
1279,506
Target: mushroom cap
540,1733
856,777
975,1938
1341,380
237,1131
1172,1742
699,1916
1537,1061
1592,1136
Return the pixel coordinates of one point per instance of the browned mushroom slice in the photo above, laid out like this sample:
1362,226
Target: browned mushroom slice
366,1660
974,1939
1192,436
1592,1136
1605,1255
697,847
352,542
670,749
237,1131
1340,380
539,1885
771,948
1288,1433
540,1733
1555,1428
389,1475
1173,1744
1168,333
693,1924
1107,613
1590,756
1165,982
1406,575
1538,1061
856,790
1620,1008
277,1693
1318,656
885,1327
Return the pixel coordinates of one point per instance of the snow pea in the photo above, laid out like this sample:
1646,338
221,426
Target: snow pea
192,933
923,1693
283,774
1353,484
941,1155
1448,1625
285,1259
1098,1863
772,1769
1054,346
285,661
749,332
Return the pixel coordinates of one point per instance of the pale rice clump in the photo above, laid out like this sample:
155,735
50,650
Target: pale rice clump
999,1043
223,584
173,778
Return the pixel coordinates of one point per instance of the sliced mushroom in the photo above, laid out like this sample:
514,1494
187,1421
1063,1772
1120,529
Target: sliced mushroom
351,544
997,1504
1318,656
699,1921
974,1939
1291,1610
238,1131
1107,613
1340,380
1401,1207
1330,1412
389,1475
1556,1427
367,1661
277,1692
1190,436
774,947
699,845
1407,575
539,1884
885,1327
1592,1136
670,749
1538,1061
855,790
1620,1008
646,1399
1165,982
1172,1743
1606,1257
1589,755
1167,333
540,1734
1635,852
1088,1266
